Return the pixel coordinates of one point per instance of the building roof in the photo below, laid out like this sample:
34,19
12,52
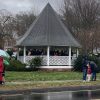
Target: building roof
48,30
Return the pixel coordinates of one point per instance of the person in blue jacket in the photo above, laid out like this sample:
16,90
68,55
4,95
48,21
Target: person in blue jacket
84,67
94,69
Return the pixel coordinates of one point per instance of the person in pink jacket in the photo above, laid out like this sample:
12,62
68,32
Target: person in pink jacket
89,72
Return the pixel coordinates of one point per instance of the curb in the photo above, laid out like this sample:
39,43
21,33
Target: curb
53,89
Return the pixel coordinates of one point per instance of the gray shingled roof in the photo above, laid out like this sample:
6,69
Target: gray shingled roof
48,30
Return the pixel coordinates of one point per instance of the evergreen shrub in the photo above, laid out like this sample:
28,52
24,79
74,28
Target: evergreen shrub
15,65
78,62
35,63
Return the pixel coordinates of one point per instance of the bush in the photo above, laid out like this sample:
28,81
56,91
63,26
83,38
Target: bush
15,65
10,52
78,62
35,63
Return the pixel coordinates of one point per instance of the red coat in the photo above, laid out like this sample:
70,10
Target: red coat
89,71
1,65
1,68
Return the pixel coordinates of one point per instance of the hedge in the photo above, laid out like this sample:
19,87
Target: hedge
78,62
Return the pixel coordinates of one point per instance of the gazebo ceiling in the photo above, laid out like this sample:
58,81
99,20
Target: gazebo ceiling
48,30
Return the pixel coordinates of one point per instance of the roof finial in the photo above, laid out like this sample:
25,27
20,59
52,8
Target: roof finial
48,4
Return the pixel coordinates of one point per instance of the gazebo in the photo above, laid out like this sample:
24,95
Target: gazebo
48,34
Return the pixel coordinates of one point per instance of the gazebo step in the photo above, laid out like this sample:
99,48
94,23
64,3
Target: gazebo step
56,68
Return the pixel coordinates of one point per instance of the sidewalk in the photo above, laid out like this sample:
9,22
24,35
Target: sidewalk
30,82
55,81
20,87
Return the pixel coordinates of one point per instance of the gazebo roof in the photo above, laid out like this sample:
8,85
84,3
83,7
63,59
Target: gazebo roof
48,30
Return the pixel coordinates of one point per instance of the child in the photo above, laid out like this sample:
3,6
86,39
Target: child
89,72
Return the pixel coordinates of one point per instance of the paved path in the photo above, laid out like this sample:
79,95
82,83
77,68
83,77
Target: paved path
30,82
51,89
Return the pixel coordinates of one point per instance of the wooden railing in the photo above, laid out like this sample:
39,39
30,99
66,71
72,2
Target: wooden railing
53,60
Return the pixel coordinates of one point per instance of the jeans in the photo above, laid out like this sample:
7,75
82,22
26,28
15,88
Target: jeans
84,74
94,76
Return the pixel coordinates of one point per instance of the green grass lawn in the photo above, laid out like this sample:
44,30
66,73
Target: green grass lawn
42,76
41,79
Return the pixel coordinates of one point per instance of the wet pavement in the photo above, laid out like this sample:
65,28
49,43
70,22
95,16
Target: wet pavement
66,95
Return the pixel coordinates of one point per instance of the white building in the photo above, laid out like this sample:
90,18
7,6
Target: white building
48,33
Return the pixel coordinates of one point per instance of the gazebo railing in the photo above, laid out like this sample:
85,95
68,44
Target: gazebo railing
58,60
53,60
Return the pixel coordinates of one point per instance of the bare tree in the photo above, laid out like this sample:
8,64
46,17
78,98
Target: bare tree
5,19
22,22
13,24
82,18
10,24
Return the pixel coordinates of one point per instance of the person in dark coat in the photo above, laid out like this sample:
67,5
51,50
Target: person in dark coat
1,69
94,69
84,67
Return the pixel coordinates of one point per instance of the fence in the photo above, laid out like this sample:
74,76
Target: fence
53,60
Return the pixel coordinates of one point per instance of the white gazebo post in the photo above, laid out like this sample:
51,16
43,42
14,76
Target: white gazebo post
69,56
18,54
48,54
77,53
24,54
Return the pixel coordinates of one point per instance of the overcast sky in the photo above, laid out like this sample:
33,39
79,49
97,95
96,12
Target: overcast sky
16,6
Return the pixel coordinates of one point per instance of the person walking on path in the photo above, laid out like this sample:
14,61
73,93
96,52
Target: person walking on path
84,68
94,69
89,72
1,69
3,75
